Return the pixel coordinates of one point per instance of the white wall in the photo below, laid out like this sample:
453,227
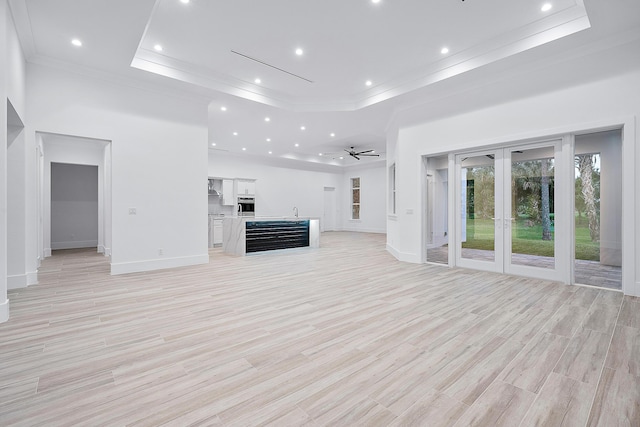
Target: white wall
17,276
14,258
282,184
606,102
16,68
74,206
4,302
373,198
158,161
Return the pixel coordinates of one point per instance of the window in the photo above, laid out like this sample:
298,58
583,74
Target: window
392,189
355,198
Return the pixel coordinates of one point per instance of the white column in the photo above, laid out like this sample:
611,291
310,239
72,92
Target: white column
16,208
4,302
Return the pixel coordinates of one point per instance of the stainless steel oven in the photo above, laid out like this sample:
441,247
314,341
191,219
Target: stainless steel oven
246,206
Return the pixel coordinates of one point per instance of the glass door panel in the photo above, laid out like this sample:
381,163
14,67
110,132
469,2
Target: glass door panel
477,233
597,209
531,211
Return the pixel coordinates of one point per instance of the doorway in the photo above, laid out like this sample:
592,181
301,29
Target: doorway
74,206
507,218
329,209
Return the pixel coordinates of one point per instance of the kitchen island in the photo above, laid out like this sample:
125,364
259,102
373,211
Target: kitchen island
243,235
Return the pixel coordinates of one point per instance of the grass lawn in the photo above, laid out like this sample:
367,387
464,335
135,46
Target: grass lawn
528,239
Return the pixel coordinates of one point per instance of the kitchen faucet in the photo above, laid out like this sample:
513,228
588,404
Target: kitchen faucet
295,210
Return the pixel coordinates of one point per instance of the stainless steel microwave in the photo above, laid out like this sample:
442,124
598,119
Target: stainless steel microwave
246,206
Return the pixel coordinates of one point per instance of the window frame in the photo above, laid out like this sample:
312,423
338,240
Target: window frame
359,202
392,189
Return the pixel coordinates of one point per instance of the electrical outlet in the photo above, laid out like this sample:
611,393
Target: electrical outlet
132,211
160,251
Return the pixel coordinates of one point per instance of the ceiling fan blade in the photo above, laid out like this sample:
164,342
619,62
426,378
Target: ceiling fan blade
363,152
369,155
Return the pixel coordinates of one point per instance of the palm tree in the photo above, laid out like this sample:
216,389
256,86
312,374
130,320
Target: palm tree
544,184
533,177
585,167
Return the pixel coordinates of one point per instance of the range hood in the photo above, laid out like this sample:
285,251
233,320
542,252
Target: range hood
211,190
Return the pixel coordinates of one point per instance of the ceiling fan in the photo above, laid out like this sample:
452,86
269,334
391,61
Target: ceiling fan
357,154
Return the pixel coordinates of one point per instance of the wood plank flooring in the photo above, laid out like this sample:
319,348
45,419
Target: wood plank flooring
339,336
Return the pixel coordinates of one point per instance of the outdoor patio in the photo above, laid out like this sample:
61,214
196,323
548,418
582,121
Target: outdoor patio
586,272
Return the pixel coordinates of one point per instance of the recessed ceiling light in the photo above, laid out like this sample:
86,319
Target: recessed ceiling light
76,42
270,152
258,81
184,1
213,144
302,128
546,7
223,108
368,82
158,48
341,158
268,139
332,134
267,119
375,1
244,149
320,154
297,145
299,52
235,134
444,50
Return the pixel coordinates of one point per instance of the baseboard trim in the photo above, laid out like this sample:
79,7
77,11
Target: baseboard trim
17,281
74,245
393,251
4,311
100,249
47,252
32,278
403,256
107,251
157,264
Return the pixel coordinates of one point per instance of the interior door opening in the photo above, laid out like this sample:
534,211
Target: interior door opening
437,209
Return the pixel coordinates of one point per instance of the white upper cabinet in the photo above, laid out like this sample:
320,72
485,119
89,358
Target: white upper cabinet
246,188
228,198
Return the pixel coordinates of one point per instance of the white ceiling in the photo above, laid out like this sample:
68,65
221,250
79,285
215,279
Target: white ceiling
394,44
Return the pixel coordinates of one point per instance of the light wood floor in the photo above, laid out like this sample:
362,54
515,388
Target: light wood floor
339,336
